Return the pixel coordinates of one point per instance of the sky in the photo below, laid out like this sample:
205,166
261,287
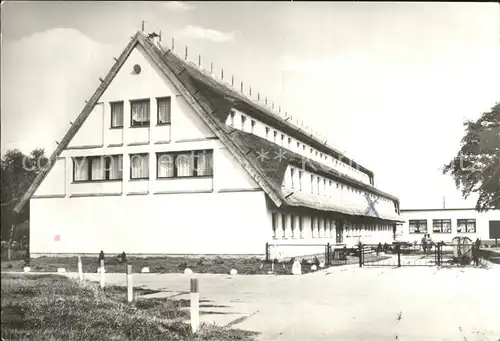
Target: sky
390,84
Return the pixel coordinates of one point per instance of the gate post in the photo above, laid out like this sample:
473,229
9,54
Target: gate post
327,255
360,247
398,248
267,252
438,254
441,253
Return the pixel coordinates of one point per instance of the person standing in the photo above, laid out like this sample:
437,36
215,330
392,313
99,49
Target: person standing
424,243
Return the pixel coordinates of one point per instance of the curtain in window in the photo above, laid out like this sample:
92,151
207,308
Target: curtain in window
205,163
97,168
117,114
140,113
139,166
183,163
115,167
166,166
81,166
164,110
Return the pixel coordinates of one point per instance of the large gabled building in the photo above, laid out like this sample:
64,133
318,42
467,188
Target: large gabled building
167,159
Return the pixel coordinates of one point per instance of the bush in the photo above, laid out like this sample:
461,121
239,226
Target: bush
182,265
219,260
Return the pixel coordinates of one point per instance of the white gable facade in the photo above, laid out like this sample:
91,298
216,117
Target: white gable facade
144,174
176,215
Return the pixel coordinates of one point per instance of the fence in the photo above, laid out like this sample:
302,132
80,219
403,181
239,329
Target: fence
405,254
329,254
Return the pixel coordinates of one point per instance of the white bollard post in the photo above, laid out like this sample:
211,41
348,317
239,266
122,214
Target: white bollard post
130,287
195,305
80,269
102,273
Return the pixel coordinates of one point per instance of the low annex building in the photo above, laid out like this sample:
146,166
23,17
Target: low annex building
167,159
444,224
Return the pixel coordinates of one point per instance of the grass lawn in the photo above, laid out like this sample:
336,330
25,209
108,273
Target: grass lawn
247,266
51,307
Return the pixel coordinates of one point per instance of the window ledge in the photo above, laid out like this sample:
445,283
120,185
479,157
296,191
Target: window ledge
185,177
137,127
163,124
94,181
139,179
116,128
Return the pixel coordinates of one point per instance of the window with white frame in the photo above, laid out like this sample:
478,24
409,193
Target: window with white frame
441,225
292,175
139,166
293,225
267,133
466,225
243,120
275,136
252,126
289,143
163,107
196,163
116,114
301,226
282,140
300,180
312,184
98,168
418,226
139,113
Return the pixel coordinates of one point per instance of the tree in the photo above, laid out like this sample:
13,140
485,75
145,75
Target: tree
476,168
17,173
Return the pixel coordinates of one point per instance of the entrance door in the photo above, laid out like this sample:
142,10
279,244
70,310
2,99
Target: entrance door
339,237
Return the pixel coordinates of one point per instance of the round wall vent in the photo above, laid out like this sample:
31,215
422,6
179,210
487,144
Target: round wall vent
137,69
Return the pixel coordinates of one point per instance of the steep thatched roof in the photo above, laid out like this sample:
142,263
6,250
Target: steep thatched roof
213,100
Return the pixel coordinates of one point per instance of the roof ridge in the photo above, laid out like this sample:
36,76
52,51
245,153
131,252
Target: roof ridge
263,107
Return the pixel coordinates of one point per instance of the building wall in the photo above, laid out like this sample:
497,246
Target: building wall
482,224
222,213
202,223
289,240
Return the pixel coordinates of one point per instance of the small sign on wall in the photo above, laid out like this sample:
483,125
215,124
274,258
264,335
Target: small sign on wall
494,229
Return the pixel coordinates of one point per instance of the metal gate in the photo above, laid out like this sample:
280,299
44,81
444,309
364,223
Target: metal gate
407,254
